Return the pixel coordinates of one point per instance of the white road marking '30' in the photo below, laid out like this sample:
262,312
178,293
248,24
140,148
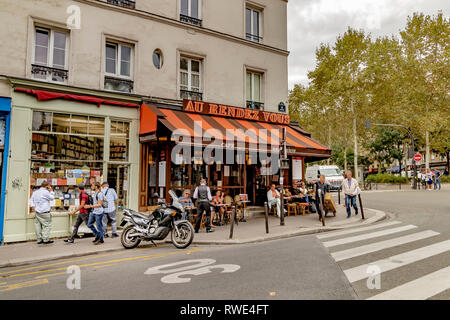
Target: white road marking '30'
194,267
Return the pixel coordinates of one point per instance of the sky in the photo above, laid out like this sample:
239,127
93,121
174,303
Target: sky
312,22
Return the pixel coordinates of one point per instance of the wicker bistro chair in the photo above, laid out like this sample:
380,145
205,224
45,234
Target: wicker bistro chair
291,207
228,201
239,207
303,208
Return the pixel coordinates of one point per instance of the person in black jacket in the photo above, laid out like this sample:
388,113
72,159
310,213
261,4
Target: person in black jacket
321,187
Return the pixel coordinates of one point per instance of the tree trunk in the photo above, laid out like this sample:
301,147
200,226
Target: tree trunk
427,150
345,158
329,142
355,156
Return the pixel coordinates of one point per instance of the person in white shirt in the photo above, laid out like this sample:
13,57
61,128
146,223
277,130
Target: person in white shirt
110,212
273,198
350,189
40,202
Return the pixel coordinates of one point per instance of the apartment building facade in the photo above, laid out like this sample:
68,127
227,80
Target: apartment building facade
75,75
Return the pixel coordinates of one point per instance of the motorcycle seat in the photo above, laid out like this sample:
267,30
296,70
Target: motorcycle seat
139,215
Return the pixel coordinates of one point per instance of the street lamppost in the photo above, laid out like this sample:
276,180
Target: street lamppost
412,144
284,165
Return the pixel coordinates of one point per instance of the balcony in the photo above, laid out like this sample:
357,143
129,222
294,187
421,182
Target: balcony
44,72
255,105
123,3
190,20
253,37
191,95
118,84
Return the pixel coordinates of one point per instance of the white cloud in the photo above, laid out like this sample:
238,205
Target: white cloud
311,22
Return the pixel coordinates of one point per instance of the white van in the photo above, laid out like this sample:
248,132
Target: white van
332,175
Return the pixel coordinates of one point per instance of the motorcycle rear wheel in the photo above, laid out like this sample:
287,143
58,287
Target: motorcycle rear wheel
127,241
186,235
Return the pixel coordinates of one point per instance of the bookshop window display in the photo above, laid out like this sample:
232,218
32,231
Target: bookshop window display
68,149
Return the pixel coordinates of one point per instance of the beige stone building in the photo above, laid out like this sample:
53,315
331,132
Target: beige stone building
75,73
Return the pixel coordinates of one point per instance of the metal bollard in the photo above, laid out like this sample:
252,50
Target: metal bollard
266,216
339,195
233,217
361,206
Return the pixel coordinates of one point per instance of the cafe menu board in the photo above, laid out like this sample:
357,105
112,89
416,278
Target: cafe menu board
297,169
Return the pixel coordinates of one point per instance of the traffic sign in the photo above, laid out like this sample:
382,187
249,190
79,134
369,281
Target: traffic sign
418,157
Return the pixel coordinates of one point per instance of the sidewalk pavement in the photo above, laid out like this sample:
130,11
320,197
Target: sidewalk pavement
246,232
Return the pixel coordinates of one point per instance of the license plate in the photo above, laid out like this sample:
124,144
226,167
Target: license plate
123,223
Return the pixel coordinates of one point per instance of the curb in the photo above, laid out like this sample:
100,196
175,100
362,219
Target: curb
379,215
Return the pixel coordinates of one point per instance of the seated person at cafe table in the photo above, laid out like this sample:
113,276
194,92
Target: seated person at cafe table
300,193
187,202
273,198
217,205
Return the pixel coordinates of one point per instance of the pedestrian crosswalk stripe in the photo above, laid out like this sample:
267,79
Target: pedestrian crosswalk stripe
397,261
349,231
377,246
419,289
366,236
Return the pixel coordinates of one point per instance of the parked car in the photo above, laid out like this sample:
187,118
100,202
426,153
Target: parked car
332,175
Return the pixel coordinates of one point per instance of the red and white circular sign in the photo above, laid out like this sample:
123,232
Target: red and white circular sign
418,157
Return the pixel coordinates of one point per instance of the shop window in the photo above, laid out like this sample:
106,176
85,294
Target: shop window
118,180
118,67
50,55
190,12
119,141
180,175
253,25
190,79
199,171
64,177
253,90
42,121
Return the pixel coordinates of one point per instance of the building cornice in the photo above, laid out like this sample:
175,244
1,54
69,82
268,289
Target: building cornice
162,19
17,82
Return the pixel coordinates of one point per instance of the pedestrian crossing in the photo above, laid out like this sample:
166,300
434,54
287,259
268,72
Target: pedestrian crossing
395,251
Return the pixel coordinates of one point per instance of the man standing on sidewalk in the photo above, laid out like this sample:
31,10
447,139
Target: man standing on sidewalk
83,215
40,202
203,194
110,212
350,189
97,213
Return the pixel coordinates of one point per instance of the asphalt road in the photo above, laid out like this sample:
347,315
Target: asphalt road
305,267
297,268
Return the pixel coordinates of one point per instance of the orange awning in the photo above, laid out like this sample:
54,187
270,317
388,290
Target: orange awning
228,129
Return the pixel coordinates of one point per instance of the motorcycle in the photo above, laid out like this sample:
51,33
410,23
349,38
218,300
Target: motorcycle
156,226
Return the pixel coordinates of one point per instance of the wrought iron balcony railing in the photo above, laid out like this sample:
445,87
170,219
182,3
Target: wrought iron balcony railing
123,3
253,37
118,84
55,73
255,105
191,20
191,95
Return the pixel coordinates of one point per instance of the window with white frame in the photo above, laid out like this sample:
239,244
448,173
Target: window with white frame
190,11
253,90
190,78
50,55
253,24
118,67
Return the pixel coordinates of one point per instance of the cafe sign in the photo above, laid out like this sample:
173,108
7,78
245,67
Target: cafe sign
213,109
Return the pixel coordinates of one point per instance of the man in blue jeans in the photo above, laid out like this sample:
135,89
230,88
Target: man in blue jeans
437,179
351,189
97,213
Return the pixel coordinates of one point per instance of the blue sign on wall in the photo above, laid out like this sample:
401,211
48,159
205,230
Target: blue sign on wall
281,107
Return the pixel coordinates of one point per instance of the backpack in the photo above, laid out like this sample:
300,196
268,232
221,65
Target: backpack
104,201
90,202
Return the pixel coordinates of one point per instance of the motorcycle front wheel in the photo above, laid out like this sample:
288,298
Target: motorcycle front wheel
185,236
127,241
